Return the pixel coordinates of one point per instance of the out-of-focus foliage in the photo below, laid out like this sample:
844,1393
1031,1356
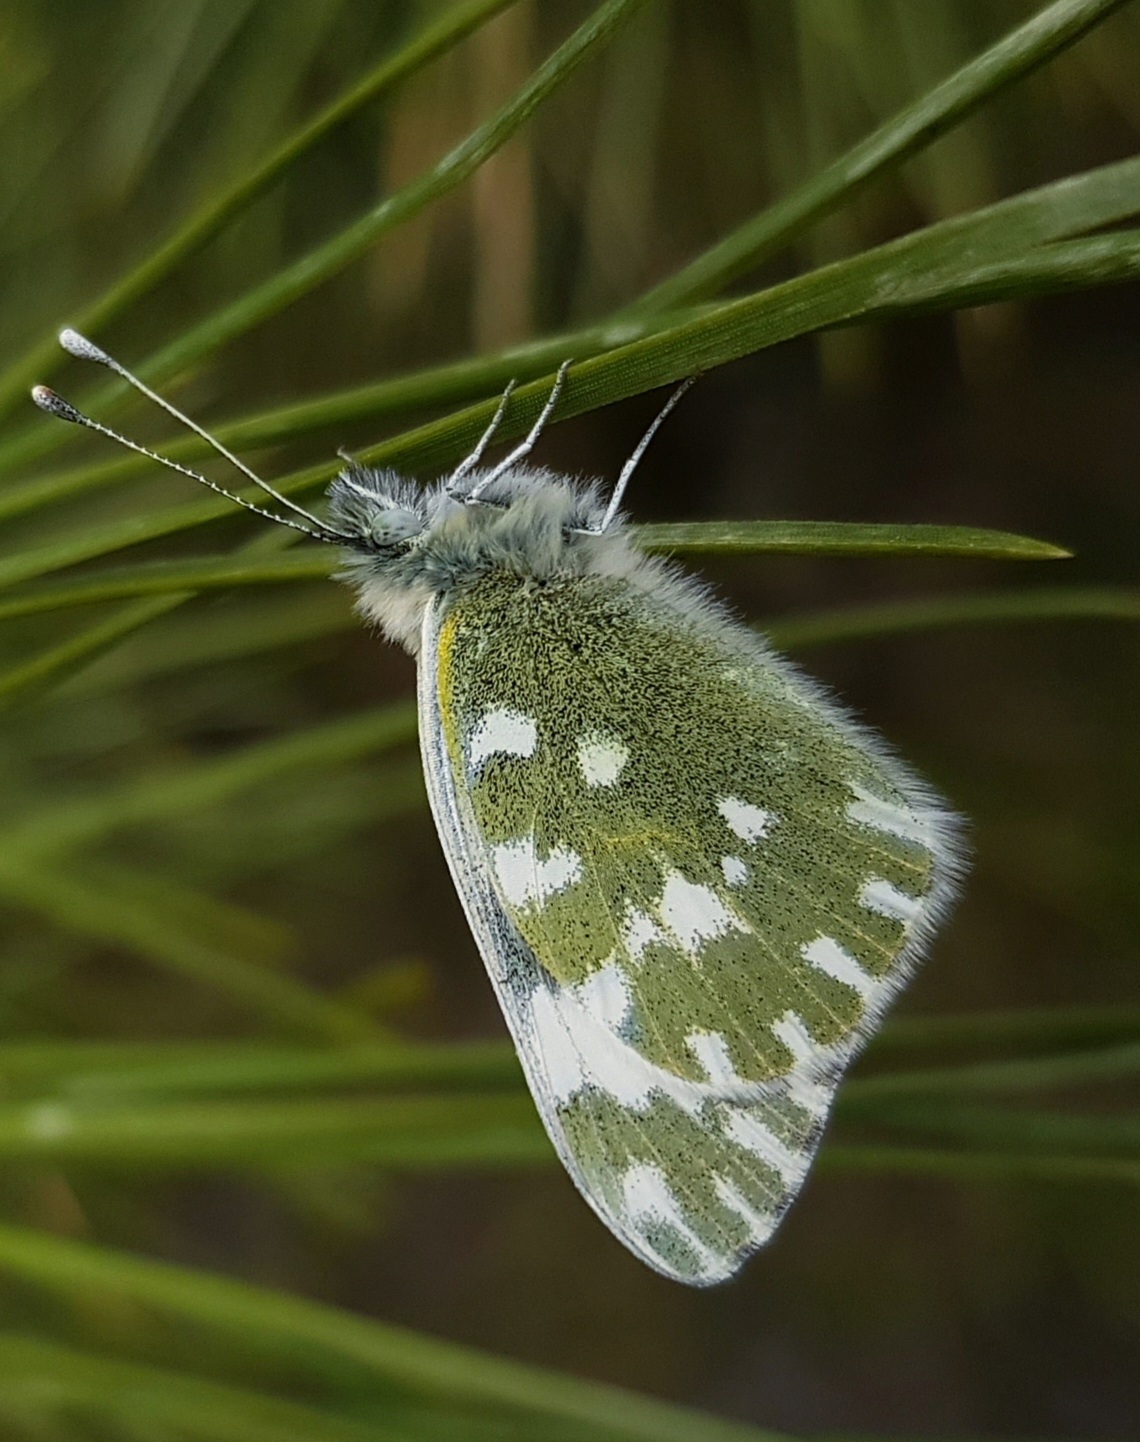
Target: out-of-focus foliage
243,1031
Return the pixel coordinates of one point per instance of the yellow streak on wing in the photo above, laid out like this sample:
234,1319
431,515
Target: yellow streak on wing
446,688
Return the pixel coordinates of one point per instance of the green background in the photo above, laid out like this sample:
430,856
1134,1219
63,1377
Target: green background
244,1033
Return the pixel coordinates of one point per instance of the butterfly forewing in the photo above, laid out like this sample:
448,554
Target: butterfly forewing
695,882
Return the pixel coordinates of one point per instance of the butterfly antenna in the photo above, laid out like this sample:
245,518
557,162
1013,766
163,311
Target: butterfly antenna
82,349
642,446
55,405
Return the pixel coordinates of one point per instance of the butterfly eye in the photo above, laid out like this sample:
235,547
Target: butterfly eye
390,527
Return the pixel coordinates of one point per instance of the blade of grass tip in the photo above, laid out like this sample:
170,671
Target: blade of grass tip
45,359
41,1379
1014,56
839,1158
96,911
840,538
314,1335
207,784
892,618
328,259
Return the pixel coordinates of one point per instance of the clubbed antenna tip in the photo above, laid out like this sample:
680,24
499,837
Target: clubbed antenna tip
81,348
54,405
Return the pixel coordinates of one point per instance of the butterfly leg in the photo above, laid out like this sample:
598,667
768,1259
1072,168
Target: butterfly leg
631,465
524,447
468,464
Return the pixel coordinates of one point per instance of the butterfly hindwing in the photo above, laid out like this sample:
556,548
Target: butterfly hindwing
695,883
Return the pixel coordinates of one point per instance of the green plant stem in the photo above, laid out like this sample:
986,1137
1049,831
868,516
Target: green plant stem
312,1334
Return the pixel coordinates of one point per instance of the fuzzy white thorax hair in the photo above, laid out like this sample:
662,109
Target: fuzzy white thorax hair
419,542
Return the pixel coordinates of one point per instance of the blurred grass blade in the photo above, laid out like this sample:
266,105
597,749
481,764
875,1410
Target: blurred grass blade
153,798
972,1124
45,359
327,260
862,1095
892,618
311,1334
1023,50
47,1066
56,661
457,1129
43,1380
123,917
1026,1029
302,275
969,1166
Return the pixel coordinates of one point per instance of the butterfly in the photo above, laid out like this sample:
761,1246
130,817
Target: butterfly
696,881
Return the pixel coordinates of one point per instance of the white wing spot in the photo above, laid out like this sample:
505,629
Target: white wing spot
763,1143
602,759
871,810
736,872
826,955
711,1050
526,879
734,1200
695,914
605,994
646,1198
885,899
807,1055
750,823
639,931
500,733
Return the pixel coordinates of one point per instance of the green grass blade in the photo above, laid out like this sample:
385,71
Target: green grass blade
693,538
1022,1131
325,261
42,1380
980,1165
892,618
45,359
123,917
1026,1029
154,798
1023,50
49,665
861,1096
188,1068
907,273
839,538
459,1129
310,1334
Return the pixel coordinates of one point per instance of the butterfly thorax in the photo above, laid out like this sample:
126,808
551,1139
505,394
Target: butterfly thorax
412,544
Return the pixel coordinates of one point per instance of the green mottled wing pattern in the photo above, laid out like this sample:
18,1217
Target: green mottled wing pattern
695,882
